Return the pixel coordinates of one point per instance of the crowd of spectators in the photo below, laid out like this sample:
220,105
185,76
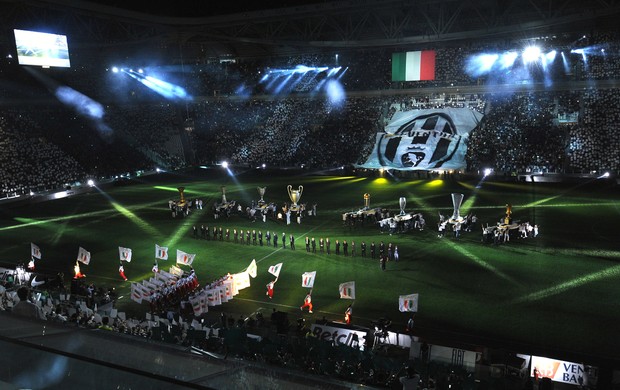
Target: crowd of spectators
234,116
593,141
29,159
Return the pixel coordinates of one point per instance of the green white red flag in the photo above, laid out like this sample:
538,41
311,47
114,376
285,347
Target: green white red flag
408,302
307,279
124,254
83,256
347,290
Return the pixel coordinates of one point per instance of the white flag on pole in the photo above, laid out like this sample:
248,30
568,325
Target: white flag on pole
35,251
275,269
307,279
83,256
124,254
185,258
347,290
161,252
252,268
408,302
241,280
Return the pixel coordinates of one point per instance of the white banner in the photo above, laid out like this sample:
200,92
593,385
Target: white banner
229,285
196,305
136,292
213,297
176,271
565,372
343,336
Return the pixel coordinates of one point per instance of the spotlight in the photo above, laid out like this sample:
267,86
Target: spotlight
508,59
530,54
225,164
264,165
487,172
157,170
90,182
114,69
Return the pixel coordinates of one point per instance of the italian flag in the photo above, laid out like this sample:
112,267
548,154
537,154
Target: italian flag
413,66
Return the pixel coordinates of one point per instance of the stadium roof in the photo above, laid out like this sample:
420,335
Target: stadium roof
257,29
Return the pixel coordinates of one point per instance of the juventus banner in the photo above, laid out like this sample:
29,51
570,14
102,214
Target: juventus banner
424,140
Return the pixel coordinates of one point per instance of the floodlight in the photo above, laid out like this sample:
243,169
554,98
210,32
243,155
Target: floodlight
225,164
91,183
531,53
487,171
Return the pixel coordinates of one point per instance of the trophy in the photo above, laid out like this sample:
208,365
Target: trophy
182,196
366,201
294,195
402,202
261,192
508,218
224,195
457,199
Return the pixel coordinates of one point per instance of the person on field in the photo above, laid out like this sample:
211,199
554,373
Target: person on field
270,286
307,302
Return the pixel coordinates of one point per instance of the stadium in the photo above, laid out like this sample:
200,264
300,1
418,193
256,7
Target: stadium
372,194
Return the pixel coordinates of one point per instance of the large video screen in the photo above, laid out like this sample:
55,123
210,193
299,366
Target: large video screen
41,49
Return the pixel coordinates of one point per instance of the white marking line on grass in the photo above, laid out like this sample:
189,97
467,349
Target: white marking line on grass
480,262
294,307
577,282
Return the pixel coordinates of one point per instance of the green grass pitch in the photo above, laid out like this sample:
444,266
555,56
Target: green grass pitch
557,292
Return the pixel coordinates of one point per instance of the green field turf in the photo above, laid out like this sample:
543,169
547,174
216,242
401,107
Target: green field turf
557,293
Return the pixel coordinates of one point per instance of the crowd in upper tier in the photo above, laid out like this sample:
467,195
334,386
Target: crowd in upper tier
234,116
